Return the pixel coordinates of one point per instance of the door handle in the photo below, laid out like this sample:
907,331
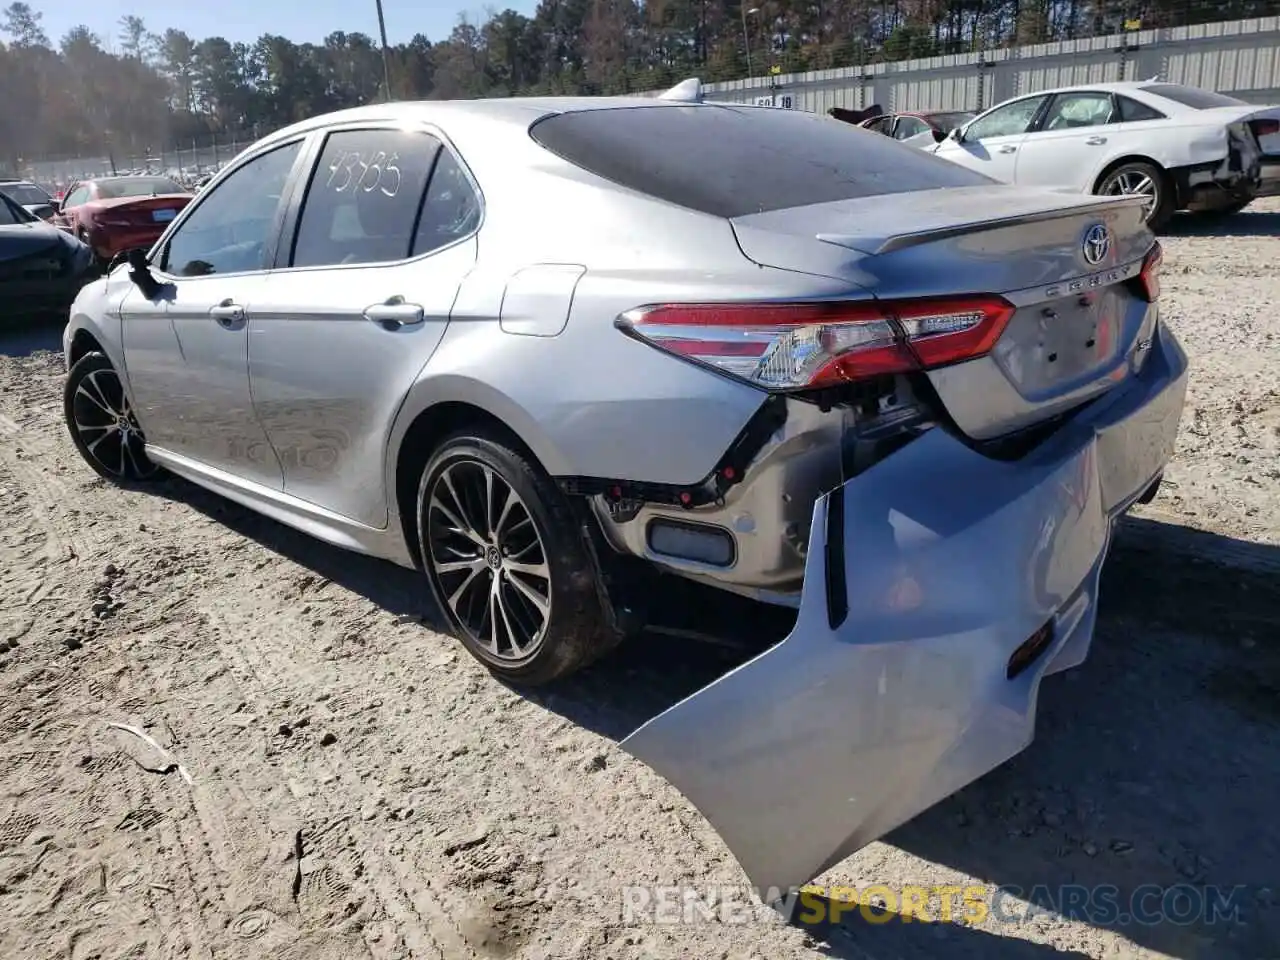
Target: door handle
1096,141
1008,148
394,312
228,312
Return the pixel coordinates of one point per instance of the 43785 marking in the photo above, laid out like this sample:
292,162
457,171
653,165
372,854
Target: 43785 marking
350,172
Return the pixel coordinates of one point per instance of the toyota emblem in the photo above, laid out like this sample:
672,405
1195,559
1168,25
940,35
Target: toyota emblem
1097,244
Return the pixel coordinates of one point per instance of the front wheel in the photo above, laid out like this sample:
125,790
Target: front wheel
507,563
1145,180
102,424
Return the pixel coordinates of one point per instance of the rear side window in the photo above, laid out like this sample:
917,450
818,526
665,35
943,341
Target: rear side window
363,201
1131,110
734,161
1192,97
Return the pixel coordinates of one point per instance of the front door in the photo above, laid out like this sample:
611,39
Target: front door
990,143
186,350
384,237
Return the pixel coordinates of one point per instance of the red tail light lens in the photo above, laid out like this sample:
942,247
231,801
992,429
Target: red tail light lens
1149,278
803,346
1265,128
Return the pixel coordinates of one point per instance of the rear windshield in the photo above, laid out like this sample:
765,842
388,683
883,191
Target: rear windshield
734,161
136,187
24,193
1192,97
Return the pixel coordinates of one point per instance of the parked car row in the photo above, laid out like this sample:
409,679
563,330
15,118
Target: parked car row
1175,147
568,356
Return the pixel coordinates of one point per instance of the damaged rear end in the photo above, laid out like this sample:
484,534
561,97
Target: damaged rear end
971,386
962,430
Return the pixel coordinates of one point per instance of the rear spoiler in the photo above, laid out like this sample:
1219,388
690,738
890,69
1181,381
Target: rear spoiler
876,242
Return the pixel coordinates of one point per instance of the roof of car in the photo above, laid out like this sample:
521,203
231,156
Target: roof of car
504,110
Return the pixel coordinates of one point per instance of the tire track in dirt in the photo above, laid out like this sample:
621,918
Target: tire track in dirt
422,917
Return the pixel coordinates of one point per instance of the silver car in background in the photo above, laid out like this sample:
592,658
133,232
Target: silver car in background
535,346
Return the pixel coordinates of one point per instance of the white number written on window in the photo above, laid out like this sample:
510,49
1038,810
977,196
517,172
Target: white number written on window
350,172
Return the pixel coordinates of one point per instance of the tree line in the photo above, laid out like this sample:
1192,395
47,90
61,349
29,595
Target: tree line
87,94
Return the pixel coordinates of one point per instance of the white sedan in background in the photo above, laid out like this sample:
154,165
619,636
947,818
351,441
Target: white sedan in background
1179,147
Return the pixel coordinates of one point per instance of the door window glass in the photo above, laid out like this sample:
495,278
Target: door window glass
1071,110
1131,110
231,228
1012,118
78,196
450,210
909,127
364,197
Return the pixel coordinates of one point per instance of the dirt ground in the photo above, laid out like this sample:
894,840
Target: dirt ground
219,738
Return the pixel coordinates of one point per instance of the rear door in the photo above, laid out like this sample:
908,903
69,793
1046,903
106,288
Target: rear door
990,144
382,235
1070,141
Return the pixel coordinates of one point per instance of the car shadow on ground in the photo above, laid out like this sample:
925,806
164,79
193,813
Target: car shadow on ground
1151,784
25,337
1244,224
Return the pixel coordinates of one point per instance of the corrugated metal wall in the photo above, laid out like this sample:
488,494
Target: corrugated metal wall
1240,57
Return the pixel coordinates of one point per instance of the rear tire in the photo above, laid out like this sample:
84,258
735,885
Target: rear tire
1146,180
102,424
507,563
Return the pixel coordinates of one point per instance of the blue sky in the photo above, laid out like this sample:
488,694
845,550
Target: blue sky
299,20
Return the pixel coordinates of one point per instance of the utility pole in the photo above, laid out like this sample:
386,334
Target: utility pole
386,69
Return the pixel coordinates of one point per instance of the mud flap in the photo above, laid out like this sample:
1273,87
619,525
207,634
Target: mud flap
886,700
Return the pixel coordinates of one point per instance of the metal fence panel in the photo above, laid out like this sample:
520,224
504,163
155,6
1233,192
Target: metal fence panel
1240,57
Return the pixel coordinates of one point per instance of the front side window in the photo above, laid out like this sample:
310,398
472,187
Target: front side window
881,125
77,196
1071,110
1006,121
909,127
364,197
231,228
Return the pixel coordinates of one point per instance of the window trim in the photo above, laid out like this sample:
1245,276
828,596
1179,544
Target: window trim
159,251
293,217
1053,99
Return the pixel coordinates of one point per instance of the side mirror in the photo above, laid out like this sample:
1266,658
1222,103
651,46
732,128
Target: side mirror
140,273
956,134
56,204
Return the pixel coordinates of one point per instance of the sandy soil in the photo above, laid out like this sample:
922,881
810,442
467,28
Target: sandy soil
221,739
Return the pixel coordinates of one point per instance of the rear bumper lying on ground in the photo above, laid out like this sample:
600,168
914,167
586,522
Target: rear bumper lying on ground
924,575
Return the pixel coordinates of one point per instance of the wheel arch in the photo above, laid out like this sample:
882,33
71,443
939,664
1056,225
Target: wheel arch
426,419
1131,158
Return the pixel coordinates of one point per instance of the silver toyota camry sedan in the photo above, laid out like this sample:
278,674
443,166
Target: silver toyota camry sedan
531,347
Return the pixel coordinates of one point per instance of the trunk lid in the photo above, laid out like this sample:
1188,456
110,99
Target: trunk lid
1077,320
142,211
1262,122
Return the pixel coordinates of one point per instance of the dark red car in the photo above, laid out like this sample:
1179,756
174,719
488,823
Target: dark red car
113,214
904,126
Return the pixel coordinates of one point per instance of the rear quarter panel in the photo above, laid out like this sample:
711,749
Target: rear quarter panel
590,401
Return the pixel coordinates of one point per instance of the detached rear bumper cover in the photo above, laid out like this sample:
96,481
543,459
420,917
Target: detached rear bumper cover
835,736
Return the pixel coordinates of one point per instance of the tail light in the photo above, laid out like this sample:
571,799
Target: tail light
804,346
1264,128
1149,278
